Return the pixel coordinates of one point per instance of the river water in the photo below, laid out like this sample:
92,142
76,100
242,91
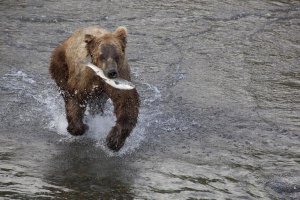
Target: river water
220,88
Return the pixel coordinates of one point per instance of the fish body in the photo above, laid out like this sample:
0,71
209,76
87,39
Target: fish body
116,82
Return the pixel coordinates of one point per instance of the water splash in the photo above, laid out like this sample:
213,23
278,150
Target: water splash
49,100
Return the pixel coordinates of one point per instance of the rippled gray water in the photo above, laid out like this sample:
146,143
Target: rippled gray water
220,89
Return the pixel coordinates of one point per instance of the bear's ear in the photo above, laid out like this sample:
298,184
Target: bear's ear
121,34
88,38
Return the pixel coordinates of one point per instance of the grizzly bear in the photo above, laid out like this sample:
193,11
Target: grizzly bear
81,87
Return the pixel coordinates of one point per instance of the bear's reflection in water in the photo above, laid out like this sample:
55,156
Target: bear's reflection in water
87,173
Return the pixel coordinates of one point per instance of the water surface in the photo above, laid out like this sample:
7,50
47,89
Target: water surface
219,83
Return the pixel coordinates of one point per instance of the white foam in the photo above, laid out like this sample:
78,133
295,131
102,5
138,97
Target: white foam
99,126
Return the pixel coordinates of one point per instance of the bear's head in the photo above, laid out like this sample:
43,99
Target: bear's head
108,51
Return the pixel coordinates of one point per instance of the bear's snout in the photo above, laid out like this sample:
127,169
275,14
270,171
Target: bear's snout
112,73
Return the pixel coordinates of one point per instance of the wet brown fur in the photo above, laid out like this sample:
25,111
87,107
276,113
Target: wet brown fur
79,84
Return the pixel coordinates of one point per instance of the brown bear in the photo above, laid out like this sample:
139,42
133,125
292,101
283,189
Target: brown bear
80,86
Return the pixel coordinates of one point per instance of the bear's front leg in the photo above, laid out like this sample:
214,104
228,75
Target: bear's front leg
126,108
75,112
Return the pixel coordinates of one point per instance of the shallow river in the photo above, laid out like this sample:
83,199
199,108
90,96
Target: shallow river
220,88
